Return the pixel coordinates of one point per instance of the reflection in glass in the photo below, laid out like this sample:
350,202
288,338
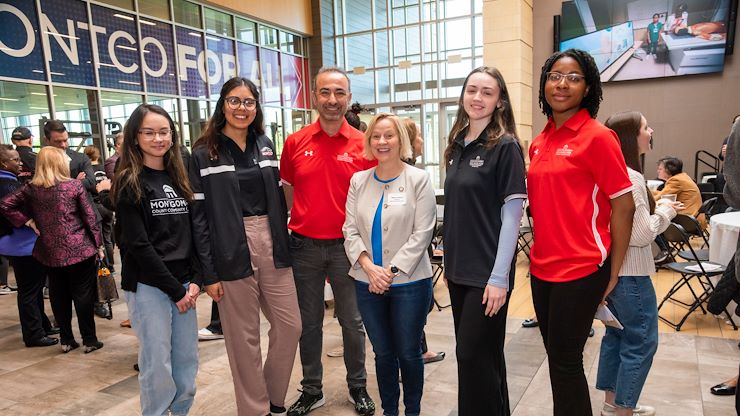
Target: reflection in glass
290,43
381,14
156,8
246,30
296,120
218,22
270,77
381,48
187,13
384,85
23,105
221,64
268,37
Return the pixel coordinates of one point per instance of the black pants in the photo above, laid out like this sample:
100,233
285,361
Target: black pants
30,276
481,367
3,271
74,284
106,225
215,324
565,312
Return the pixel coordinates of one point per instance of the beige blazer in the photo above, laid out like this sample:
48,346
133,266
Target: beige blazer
408,219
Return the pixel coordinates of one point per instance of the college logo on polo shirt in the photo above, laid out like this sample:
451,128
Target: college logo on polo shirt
266,151
477,162
345,158
564,151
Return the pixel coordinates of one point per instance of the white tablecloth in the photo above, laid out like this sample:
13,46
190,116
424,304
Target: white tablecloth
724,231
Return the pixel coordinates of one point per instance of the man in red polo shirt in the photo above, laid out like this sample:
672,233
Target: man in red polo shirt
316,166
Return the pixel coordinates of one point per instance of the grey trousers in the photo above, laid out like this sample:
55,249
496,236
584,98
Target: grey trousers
314,261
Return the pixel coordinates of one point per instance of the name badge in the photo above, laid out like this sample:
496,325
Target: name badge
397,198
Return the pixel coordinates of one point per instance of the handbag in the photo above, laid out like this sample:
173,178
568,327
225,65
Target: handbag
107,292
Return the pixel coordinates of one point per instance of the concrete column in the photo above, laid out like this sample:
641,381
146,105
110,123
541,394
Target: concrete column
508,45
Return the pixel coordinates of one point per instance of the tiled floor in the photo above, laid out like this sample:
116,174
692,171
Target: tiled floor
44,381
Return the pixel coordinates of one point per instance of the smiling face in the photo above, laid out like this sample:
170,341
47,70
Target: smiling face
482,96
564,96
385,144
154,138
644,136
239,118
10,161
332,96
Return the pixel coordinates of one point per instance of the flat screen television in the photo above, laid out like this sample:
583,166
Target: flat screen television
649,38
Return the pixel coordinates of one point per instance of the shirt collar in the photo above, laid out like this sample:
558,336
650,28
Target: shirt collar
460,139
344,131
574,123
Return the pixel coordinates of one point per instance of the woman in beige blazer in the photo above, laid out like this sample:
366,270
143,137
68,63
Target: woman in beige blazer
391,213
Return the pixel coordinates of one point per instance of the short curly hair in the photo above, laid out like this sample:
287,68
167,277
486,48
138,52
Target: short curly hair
593,99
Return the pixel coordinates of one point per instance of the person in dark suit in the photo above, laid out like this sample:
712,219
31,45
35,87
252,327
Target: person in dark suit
79,165
23,140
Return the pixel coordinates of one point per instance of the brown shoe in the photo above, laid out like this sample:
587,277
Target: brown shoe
126,323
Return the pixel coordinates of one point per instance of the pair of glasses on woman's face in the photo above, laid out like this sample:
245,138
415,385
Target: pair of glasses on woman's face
150,134
235,102
556,77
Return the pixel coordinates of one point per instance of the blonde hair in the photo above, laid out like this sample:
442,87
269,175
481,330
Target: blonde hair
403,136
52,167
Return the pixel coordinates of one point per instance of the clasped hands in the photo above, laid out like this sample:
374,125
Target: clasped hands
188,301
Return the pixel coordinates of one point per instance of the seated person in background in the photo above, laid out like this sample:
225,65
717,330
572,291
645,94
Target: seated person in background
670,169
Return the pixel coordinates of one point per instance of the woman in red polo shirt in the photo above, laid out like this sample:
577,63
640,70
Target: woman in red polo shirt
580,200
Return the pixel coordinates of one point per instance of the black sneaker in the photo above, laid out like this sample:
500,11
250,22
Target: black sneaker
306,403
364,405
277,410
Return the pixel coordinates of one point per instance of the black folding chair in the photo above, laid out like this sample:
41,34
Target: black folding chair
693,229
436,256
694,271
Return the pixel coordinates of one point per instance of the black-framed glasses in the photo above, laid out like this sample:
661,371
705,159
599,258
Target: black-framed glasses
150,134
235,102
556,77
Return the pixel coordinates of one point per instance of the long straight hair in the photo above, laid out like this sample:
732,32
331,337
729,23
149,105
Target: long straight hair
131,161
502,121
627,125
52,167
217,122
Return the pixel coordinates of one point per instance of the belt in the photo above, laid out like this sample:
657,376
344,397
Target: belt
319,241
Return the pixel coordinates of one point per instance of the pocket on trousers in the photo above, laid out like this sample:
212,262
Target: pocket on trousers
295,243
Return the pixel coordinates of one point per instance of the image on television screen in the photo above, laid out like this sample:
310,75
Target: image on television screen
648,38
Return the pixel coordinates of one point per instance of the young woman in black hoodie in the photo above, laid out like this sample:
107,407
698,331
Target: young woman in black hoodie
152,197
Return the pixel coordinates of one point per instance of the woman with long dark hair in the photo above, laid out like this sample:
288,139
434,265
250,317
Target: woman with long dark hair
627,354
59,208
240,223
152,198
579,196
484,194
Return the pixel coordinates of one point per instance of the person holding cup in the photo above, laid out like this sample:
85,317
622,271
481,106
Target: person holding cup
627,354
679,187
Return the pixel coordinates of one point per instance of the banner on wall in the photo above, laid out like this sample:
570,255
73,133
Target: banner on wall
70,41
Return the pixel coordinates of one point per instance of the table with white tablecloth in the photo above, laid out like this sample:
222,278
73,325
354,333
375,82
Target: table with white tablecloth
724,231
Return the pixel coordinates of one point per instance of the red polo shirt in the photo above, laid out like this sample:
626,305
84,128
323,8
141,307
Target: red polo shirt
319,168
574,173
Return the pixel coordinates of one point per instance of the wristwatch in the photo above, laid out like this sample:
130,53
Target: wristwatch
394,270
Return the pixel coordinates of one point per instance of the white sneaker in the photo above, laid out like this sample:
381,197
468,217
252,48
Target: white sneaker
639,410
7,290
205,334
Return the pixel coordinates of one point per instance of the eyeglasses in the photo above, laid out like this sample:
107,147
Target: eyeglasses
235,102
556,77
150,134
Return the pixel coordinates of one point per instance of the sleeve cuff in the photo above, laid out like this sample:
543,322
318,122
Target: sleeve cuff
620,193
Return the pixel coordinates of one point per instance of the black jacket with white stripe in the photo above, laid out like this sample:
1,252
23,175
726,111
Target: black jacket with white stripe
218,227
